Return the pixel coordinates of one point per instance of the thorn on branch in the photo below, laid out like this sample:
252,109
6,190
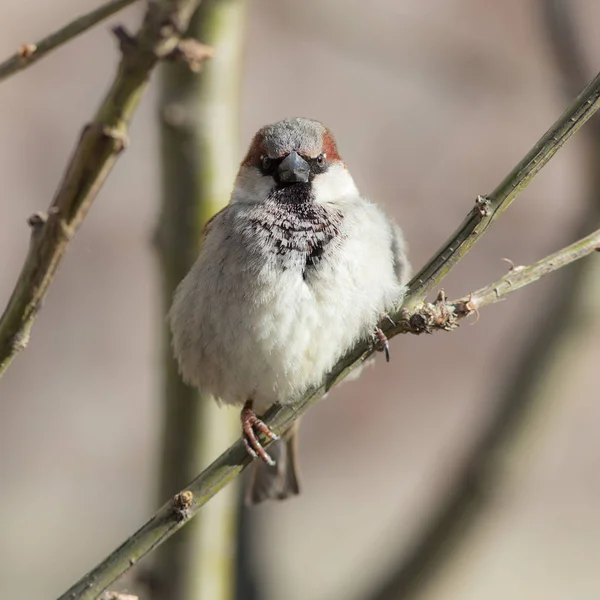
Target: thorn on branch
192,52
181,503
511,264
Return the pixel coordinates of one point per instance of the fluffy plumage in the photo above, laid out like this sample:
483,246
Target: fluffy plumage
289,277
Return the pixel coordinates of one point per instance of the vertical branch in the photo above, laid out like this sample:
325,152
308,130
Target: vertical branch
100,144
199,125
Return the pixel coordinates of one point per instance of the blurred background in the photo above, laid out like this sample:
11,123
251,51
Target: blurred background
431,103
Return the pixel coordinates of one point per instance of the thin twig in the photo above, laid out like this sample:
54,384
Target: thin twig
488,208
521,394
173,515
28,54
100,143
567,48
444,315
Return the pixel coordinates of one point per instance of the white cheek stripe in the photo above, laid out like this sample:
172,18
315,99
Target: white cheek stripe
329,187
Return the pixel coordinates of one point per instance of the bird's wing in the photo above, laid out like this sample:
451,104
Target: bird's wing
209,225
402,267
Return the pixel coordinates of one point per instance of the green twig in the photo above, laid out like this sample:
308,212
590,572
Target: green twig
100,143
523,393
415,317
173,515
445,315
488,208
29,54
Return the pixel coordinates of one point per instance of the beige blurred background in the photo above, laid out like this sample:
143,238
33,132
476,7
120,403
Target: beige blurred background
432,103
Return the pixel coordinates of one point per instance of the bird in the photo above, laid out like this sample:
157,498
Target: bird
296,269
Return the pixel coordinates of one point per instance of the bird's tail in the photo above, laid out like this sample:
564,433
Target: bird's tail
281,481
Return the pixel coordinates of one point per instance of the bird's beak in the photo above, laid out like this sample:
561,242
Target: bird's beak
293,169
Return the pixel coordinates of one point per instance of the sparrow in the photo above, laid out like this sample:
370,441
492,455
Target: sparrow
291,274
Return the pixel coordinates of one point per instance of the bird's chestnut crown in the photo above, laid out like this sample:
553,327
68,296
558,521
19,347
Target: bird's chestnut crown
292,150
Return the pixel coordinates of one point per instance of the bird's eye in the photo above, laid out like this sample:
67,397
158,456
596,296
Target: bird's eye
321,159
265,163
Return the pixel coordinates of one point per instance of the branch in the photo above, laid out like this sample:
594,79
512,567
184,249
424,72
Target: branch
99,146
488,208
199,147
28,54
545,357
175,513
444,315
566,47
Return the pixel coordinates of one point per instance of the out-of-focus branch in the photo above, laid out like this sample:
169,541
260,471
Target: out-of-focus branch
543,360
28,54
200,152
99,146
173,515
565,44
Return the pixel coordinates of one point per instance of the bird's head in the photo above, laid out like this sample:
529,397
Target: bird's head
293,160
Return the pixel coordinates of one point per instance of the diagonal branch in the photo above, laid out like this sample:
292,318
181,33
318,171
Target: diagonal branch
522,397
99,146
28,54
415,317
488,208
444,315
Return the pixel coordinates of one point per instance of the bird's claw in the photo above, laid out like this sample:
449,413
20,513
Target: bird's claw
382,344
250,423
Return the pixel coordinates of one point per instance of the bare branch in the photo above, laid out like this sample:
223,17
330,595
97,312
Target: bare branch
521,400
231,463
488,208
28,54
99,146
444,315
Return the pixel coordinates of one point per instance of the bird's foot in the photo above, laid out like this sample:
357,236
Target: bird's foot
381,342
250,425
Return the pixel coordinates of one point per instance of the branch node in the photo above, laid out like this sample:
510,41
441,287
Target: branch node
182,503
119,137
483,206
26,51
37,221
21,339
174,115
127,42
191,52
428,317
